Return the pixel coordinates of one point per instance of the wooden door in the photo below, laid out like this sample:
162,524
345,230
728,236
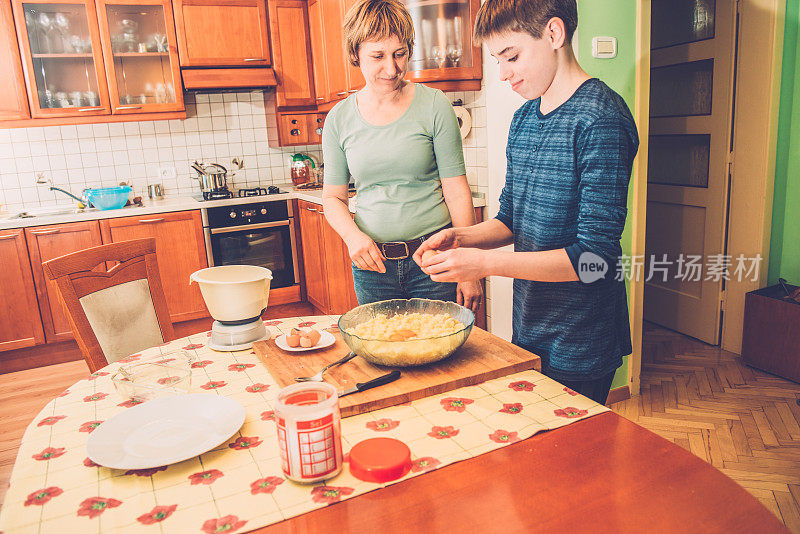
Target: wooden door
315,123
291,51
355,80
141,56
62,58
338,272
20,323
292,129
222,33
318,50
13,99
691,99
334,49
46,243
313,256
180,249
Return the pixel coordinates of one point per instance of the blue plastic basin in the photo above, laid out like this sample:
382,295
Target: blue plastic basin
109,198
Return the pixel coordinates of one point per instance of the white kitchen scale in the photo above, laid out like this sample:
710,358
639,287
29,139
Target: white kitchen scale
228,338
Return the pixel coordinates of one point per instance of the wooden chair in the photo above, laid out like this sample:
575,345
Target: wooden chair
116,312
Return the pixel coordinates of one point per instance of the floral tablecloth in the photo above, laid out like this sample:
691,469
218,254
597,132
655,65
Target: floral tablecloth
239,486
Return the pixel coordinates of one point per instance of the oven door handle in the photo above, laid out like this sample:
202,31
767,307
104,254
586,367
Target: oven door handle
244,227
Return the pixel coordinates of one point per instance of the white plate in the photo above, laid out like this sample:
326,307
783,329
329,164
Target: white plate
326,340
165,431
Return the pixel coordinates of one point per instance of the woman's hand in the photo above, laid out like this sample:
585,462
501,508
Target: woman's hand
468,294
442,240
364,252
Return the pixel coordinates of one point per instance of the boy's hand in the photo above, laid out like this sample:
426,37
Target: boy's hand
364,252
444,240
457,265
468,294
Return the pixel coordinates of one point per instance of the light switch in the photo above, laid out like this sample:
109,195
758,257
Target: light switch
604,47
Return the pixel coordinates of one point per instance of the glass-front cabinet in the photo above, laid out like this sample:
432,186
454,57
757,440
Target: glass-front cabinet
62,56
444,49
141,56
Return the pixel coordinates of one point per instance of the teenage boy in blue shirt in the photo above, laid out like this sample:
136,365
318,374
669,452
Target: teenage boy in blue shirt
570,152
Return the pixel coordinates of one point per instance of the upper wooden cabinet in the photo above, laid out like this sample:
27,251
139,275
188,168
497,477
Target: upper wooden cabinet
291,51
334,48
20,325
13,100
318,50
222,33
141,55
62,58
355,80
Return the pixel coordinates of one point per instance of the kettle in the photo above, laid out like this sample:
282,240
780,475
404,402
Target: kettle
301,172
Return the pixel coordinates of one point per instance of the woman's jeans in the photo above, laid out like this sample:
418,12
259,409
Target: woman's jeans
403,279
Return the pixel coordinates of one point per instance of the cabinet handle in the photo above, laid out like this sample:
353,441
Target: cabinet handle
145,221
294,131
312,209
320,98
353,91
130,107
254,59
46,232
342,93
318,131
90,109
10,236
321,212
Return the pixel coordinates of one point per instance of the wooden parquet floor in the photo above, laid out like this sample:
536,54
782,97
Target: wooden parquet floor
743,421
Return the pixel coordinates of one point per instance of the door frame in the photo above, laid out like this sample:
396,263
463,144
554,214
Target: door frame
760,55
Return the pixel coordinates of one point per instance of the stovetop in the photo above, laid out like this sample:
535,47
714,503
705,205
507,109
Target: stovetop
240,193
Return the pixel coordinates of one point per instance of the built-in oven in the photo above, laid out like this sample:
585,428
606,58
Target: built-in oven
259,233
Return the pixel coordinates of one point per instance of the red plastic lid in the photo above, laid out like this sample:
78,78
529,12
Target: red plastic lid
380,460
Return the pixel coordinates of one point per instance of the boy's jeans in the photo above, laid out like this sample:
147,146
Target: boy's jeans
403,279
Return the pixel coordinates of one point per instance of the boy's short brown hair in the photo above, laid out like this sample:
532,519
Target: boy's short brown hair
530,16
375,20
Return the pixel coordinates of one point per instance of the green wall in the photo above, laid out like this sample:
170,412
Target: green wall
784,256
615,18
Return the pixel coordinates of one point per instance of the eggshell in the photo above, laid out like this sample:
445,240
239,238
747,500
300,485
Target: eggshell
293,341
314,336
306,342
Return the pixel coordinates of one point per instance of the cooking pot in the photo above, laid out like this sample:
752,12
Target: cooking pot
212,177
234,294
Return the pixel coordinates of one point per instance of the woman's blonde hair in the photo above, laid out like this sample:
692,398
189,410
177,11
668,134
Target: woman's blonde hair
375,20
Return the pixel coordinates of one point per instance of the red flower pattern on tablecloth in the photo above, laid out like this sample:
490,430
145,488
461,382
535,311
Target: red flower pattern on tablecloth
164,361
205,477
272,323
443,432
229,523
146,472
426,463
245,442
193,346
53,419
265,485
94,506
49,453
89,426
573,393
64,393
522,385
269,415
214,384
201,364
257,388
130,403
89,463
382,425
240,367
504,436
96,375
330,494
570,413
157,514
131,358
455,404
513,407
333,329
95,397
168,380
307,324
42,496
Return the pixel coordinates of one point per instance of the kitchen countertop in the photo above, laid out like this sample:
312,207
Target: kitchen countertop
167,205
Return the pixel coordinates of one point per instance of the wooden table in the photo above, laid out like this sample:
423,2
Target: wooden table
603,474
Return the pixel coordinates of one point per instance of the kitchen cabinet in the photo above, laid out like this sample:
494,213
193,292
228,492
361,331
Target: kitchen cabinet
222,33
355,80
333,38
180,248
318,51
141,55
291,52
48,242
20,324
326,261
13,99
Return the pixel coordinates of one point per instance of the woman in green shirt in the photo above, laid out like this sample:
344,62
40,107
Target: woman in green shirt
401,144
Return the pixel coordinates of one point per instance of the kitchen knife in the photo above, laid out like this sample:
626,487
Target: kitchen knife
381,380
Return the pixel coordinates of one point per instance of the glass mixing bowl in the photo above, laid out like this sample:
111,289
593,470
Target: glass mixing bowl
412,352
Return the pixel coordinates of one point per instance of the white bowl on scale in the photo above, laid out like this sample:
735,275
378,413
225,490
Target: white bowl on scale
236,296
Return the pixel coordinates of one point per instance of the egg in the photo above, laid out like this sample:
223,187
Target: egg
293,341
314,336
305,342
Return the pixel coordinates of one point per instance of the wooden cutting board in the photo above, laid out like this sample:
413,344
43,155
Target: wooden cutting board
483,356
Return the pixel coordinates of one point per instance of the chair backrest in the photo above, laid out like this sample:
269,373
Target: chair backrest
113,312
